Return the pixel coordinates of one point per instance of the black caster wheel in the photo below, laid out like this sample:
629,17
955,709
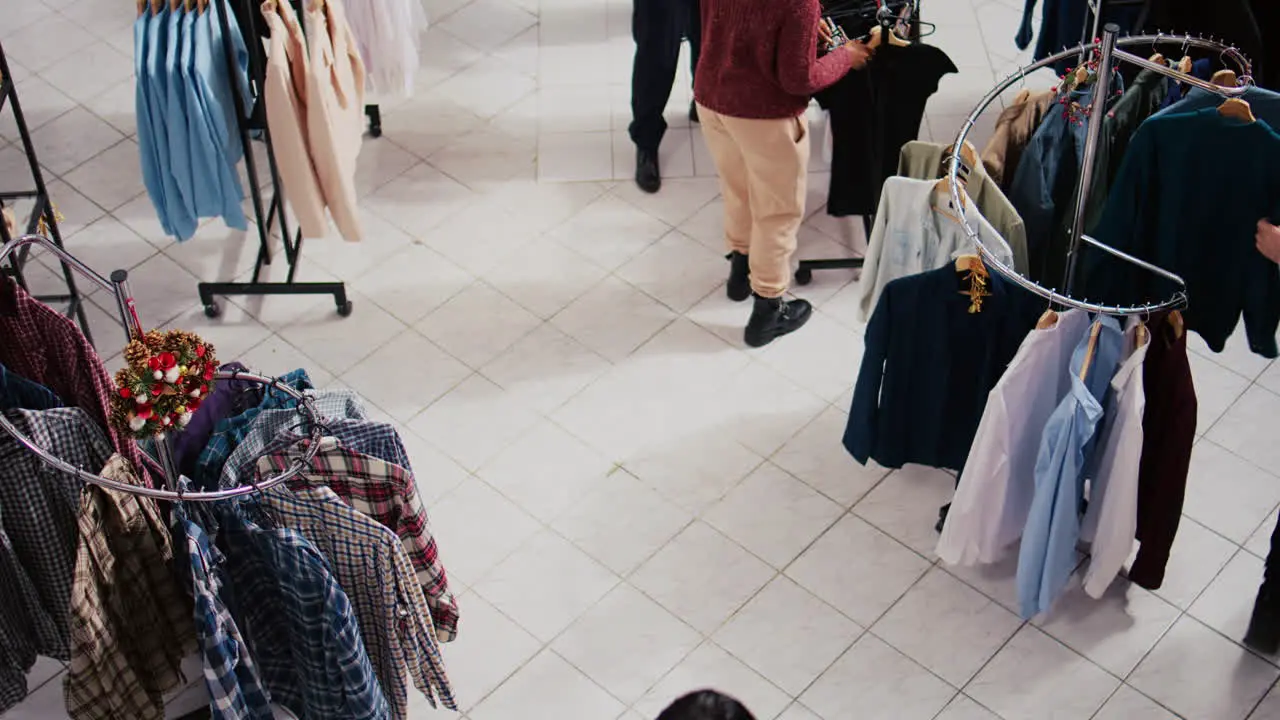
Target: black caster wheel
212,310
344,309
375,131
804,276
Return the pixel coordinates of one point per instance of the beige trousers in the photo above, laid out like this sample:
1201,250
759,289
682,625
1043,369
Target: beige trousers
763,167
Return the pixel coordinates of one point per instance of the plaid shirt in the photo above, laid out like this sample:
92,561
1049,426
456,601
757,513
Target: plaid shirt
235,688
329,404
228,433
38,538
130,624
370,564
300,623
389,494
369,437
45,347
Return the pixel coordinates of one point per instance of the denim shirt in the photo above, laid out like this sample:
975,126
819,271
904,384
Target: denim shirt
1048,553
148,145
1044,183
177,112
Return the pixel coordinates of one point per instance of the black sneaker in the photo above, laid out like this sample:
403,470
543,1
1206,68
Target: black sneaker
647,175
739,287
774,317
693,112
1264,627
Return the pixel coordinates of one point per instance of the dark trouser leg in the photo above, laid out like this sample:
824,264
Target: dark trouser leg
657,27
1264,626
693,32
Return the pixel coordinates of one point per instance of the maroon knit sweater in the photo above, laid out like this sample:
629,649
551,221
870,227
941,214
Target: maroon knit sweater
759,58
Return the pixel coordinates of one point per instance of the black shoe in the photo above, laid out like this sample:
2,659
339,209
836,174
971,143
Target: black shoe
774,317
1264,627
942,517
647,175
739,287
693,112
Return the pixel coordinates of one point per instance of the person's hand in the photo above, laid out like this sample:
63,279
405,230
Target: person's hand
861,53
824,32
1269,240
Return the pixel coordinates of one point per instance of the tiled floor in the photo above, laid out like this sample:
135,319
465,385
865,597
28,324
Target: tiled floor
630,503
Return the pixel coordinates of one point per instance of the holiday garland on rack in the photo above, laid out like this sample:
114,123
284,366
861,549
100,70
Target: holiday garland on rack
168,375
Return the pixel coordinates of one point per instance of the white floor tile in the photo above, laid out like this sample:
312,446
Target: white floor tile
875,680
773,515
858,569
481,528
711,667
474,422
1201,675
1227,494
548,688
1034,672
575,156
787,635
905,506
546,471
817,456
1228,602
947,627
546,585
488,649
621,522
1116,631
1129,704
406,375
700,556
545,368
626,643
962,708
453,325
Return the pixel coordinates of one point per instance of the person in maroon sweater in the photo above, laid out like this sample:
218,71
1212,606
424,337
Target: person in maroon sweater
757,69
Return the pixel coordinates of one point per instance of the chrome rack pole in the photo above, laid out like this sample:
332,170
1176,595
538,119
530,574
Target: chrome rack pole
133,330
1097,114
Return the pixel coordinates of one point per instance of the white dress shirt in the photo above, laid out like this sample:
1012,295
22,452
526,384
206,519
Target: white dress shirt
910,236
991,503
1112,518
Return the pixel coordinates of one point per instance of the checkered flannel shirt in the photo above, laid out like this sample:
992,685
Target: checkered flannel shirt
387,493
38,538
230,675
130,623
368,437
228,433
370,564
45,347
329,404
299,622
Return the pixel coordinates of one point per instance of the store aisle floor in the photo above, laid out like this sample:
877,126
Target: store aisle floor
630,503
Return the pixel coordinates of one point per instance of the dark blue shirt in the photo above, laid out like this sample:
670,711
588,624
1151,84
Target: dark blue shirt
19,393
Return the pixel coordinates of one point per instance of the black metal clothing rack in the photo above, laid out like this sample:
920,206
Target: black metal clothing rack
265,215
804,273
42,209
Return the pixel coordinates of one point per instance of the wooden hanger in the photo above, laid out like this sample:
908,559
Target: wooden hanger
1177,323
1047,320
268,7
968,154
156,6
142,6
877,36
1236,108
1225,78
1185,65
1092,350
1140,334
1157,59
1023,95
942,189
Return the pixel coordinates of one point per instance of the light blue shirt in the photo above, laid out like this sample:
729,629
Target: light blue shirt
149,153
180,166
1048,553
218,109
173,214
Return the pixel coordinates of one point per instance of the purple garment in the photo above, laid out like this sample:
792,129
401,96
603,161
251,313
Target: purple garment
230,397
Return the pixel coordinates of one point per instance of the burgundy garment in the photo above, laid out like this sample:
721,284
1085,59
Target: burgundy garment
1168,430
230,397
46,347
759,58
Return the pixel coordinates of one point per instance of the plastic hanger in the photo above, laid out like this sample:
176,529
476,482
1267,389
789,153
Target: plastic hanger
1236,108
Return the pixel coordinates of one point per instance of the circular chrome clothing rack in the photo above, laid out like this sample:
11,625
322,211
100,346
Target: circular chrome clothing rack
118,285
1107,49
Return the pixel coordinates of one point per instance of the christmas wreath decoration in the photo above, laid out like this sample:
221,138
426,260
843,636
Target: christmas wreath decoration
168,375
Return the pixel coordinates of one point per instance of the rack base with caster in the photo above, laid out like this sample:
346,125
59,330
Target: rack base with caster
375,120
213,309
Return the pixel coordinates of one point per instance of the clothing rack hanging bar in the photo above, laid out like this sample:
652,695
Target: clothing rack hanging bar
119,286
1179,298
291,242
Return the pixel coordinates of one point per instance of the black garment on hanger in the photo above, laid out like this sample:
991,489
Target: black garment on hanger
1232,20
874,112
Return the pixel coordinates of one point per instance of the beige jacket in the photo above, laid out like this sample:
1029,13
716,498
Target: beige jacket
335,111
1013,131
285,93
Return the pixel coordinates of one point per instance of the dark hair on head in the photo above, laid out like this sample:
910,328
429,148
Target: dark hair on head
706,705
